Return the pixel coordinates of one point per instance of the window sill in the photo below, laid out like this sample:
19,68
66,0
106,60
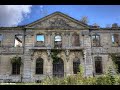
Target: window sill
97,46
115,46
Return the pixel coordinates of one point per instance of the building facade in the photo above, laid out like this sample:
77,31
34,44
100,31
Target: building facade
55,46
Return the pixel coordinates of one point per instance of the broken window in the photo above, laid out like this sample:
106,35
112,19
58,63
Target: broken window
0,40
98,65
95,40
15,68
40,40
75,40
76,63
39,66
115,40
58,41
18,41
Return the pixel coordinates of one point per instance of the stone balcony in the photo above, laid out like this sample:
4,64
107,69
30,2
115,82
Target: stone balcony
60,48
105,50
11,50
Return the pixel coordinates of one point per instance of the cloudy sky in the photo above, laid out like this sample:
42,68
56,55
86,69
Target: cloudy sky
14,15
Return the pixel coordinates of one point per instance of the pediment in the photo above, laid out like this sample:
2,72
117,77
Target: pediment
57,21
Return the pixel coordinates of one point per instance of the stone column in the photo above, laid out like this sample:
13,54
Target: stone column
27,59
87,56
52,40
63,40
70,37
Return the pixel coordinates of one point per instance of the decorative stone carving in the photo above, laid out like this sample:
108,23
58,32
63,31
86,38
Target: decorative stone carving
67,52
39,53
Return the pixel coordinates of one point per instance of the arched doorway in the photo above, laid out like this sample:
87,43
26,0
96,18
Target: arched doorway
58,68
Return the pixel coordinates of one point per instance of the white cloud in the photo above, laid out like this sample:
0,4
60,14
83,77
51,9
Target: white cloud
12,15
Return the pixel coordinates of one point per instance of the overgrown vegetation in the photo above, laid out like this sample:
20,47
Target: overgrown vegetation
79,79
54,54
16,59
109,78
114,58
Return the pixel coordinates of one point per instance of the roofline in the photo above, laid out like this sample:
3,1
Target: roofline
77,21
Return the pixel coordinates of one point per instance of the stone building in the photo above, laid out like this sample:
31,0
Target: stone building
56,45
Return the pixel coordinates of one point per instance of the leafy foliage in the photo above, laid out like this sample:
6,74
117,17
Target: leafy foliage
114,58
79,79
54,54
16,60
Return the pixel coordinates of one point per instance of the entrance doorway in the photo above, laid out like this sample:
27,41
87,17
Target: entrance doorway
58,68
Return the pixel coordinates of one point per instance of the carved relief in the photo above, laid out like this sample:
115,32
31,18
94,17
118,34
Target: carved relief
57,23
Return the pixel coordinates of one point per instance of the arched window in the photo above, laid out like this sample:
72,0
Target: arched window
15,68
75,40
95,40
76,63
39,66
98,65
58,41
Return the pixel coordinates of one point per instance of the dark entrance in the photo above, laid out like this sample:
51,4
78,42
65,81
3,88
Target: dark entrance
58,68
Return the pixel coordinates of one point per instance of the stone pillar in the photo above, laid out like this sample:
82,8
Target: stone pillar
27,59
68,63
52,40
87,56
70,37
48,39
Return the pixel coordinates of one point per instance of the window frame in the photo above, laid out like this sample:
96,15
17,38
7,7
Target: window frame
22,40
41,35
74,35
101,64
76,64
16,68
39,67
55,42
95,45
115,43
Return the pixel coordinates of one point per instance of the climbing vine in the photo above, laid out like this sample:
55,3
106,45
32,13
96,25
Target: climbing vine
16,59
54,54
114,58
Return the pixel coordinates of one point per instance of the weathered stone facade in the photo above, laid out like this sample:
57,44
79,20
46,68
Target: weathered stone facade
50,26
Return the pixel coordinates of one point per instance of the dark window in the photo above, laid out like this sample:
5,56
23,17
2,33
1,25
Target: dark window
98,65
58,41
18,41
15,68
118,64
115,40
58,68
75,40
39,66
95,40
0,40
76,63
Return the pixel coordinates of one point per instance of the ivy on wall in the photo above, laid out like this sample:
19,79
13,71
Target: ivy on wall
16,59
54,54
114,57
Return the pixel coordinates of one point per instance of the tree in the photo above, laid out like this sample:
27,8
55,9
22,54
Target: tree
84,19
